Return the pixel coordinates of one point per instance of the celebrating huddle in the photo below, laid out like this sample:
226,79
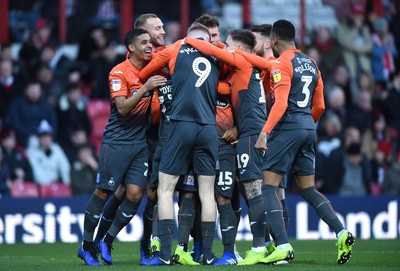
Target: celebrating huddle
233,116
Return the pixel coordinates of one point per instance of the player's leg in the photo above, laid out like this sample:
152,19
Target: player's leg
205,157
186,216
303,167
282,148
135,178
224,186
249,163
147,217
109,210
109,177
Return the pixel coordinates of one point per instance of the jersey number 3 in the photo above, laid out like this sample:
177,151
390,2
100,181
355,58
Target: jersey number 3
201,73
306,91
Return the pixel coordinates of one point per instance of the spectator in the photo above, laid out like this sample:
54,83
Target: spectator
340,78
52,56
389,103
391,181
356,172
382,52
4,176
355,38
331,132
51,89
360,116
83,172
373,135
335,105
330,50
48,160
172,32
10,86
26,113
77,138
30,51
71,112
19,167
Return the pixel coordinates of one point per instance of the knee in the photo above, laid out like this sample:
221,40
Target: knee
135,194
101,193
223,201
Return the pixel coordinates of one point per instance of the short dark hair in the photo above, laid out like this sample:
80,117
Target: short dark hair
132,36
197,26
263,29
284,30
208,20
245,36
142,20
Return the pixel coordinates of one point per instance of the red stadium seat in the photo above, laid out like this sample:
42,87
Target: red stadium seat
99,112
55,190
24,190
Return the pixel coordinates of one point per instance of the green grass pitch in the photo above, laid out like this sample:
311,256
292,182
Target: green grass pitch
380,255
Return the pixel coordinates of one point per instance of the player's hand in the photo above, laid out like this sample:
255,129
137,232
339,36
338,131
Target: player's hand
230,135
261,144
155,81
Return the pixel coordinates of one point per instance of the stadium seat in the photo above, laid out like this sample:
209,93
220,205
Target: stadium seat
98,112
54,190
24,190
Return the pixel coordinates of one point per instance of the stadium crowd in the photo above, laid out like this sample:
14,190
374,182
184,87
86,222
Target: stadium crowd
54,109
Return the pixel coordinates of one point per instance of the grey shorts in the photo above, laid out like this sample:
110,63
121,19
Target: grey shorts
122,164
291,149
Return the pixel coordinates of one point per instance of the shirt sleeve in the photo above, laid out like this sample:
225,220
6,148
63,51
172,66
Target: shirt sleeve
159,61
257,61
318,103
282,76
212,50
118,84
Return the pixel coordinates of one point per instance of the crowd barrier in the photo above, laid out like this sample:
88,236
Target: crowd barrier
61,219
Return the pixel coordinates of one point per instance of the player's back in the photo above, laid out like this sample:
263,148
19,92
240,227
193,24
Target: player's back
303,75
128,129
194,84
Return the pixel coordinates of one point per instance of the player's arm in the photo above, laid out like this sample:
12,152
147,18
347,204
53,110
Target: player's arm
318,104
119,92
212,50
282,84
158,61
255,60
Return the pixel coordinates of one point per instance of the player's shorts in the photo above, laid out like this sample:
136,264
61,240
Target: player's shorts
190,144
163,133
225,179
122,164
249,160
187,183
291,148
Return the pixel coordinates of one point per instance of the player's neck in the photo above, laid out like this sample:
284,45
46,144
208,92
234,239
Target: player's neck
268,53
138,63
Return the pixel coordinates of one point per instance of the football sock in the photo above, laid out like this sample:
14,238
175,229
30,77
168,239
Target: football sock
147,225
124,214
166,230
257,220
109,210
186,219
274,214
285,213
227,220
92,216
208,231
323,208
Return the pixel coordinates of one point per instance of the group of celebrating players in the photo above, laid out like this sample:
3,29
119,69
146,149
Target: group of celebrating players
210,138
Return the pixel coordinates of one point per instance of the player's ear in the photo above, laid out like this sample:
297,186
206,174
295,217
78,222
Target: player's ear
131,48
267,44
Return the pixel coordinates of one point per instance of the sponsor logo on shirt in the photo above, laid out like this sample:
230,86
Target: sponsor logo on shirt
276,74
116,84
